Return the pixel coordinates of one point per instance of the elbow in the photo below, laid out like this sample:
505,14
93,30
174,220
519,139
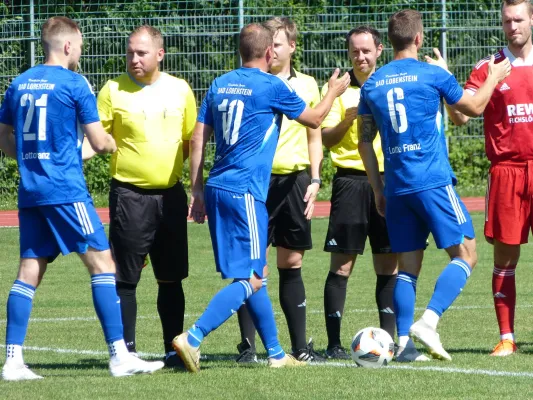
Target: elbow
315,124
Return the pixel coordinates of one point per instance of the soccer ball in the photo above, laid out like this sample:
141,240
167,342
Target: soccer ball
372,348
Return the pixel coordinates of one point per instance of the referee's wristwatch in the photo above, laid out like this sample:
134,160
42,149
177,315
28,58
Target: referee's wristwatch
317,180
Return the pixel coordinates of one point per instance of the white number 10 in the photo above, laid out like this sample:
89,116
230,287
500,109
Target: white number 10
229,116
41,103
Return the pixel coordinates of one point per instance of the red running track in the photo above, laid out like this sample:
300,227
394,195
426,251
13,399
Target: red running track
10,218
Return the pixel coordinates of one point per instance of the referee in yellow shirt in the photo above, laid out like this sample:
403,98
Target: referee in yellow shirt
151,115
353,215
290,201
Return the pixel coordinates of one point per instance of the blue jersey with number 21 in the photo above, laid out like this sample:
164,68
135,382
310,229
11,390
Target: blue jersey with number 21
44,106
245,108
404,98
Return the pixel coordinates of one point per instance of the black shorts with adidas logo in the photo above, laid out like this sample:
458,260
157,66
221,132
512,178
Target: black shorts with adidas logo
287,225
354,216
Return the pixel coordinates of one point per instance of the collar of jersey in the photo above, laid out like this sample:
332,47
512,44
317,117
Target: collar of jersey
515,62
142,85
353,79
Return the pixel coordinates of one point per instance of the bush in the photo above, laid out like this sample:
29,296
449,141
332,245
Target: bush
471,166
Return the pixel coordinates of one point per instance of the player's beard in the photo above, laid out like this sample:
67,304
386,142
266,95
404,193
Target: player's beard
73,65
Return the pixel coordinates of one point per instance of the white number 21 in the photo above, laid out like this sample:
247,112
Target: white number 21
233,115
41,104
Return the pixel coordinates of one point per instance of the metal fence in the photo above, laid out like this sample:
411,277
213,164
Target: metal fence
201,35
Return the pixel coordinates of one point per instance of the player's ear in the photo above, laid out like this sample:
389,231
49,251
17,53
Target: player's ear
419,38
160,54
268,53
292,45
67,47
379,50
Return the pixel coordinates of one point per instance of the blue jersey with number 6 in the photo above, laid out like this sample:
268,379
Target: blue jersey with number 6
245,108
44,106
404,98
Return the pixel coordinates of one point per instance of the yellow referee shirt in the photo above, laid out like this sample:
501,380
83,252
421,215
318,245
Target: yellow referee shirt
345,154
149,124
292,153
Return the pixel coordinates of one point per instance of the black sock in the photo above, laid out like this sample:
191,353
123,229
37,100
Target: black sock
171,309
385,302
334,299
246,326
128,308
292,301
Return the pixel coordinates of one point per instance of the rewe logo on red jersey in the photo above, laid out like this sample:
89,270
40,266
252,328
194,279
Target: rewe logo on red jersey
519,113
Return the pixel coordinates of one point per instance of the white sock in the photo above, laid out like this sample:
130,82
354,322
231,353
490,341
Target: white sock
431,318
118,349
14,354
403,341
509,336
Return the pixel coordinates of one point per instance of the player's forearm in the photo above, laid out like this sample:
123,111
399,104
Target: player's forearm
197,155
474,105
7,141
314,144
370,161
332,136
457,117
185,149
87,152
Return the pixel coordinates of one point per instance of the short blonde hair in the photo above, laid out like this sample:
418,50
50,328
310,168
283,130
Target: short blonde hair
54,28
283,24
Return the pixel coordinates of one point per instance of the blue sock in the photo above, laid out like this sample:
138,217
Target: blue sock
225,303
449,285
19,305
260,309
404,302
107,305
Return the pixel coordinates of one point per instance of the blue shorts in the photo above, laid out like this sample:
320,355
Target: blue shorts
239,228
411,217
46,231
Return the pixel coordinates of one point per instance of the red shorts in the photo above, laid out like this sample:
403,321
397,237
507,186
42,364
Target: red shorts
508,214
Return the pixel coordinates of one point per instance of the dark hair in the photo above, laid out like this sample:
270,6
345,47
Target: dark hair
155,34
254,39
403,27
364,29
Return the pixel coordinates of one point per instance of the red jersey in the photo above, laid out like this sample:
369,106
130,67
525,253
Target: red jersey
509,114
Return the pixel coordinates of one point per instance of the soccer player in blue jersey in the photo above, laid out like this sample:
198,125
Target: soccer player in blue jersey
43,119
244,109
402,100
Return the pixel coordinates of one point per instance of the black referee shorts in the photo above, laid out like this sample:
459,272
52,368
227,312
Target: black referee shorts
354,216
148,221
287,225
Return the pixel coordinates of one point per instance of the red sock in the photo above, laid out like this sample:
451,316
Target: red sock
504,293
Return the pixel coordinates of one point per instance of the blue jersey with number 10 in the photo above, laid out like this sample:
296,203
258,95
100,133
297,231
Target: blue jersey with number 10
245,108
404,98
44,106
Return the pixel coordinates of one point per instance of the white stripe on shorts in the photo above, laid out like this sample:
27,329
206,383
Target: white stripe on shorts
252,227
461,219
80,220
83,209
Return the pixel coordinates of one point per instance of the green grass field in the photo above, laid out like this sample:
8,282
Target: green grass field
66,346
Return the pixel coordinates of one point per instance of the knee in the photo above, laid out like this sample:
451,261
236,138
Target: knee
344,270
126,289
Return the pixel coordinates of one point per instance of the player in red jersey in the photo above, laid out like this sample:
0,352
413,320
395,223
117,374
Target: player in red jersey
509,147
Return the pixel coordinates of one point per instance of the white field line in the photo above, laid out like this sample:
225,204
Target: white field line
356,310
448,370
